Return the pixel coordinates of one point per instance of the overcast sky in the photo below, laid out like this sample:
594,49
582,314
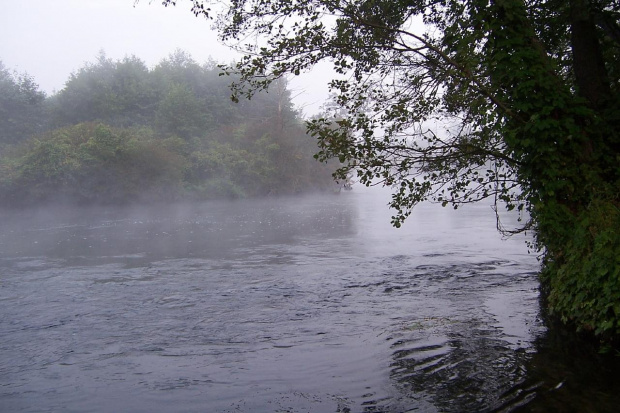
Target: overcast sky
49,39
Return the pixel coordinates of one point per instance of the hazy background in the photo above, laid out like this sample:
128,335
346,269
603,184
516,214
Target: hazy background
51,39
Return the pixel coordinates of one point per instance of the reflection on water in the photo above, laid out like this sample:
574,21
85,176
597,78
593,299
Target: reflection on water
312,304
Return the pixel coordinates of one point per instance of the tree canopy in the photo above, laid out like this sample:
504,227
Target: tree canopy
21,106
122,132
456,101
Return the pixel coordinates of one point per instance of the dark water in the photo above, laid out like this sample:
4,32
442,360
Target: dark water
282,305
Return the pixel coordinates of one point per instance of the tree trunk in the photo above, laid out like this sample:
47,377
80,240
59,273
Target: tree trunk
589,66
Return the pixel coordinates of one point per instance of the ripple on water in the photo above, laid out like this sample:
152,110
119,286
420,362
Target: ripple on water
292,309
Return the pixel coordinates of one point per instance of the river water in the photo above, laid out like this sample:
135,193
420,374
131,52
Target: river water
311,304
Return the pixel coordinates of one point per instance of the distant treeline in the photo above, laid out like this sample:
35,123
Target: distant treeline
122,132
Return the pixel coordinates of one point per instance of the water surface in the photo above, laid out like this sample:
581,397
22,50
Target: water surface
312,304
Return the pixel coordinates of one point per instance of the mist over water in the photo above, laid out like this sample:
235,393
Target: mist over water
312,304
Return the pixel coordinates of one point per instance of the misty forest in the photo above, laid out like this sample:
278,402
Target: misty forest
120,132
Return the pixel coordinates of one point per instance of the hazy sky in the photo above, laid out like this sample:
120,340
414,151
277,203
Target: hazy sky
49,39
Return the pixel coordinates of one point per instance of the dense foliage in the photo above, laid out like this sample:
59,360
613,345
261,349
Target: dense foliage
120,132
456,101
22,110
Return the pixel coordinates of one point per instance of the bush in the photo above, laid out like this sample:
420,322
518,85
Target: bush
92,162
582,284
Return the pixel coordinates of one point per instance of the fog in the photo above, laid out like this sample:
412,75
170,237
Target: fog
296,304
299,303
51,39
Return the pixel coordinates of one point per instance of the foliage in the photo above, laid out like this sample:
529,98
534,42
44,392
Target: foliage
118,93
180,113
91,162
583,287
515,101
121,132
22,112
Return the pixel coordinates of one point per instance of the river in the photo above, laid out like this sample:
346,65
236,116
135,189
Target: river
300,304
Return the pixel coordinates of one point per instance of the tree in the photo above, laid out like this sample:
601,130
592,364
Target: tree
92,163
119,93
456,101
180,113
22,111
